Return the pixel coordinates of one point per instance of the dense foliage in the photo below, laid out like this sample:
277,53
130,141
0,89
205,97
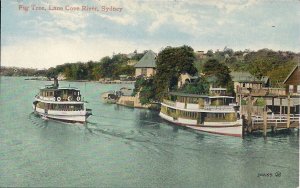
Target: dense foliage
171,62
145,88
274,64
107,67
200,87
15,71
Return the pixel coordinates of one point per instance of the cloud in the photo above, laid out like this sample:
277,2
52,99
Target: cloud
48,52
56,37
123,20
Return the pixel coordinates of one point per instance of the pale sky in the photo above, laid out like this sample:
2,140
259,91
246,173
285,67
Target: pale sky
46,38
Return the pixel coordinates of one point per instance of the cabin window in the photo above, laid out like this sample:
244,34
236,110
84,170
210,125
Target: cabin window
192,100
181,99
171,110
189,115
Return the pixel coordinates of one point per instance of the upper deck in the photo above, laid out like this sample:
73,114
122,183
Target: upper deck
59,94
200,103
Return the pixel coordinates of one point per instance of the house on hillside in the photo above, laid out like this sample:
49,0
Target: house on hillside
146,67
200,55
292,81
186,78
244,81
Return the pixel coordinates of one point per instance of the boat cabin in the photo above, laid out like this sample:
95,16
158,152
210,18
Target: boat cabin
199,99
201,108
60,94
60,107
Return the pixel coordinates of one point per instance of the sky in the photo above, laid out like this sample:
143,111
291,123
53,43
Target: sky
46,38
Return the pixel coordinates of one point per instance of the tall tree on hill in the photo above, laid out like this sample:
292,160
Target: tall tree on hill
170,63
214,68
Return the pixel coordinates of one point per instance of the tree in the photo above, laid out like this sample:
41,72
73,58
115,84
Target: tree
221,71
201,86
146,89
171,62
210,53
51,73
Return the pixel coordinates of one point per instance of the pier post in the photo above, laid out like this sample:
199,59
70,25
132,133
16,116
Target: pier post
243,126
265,122
249,113
280,110
288,112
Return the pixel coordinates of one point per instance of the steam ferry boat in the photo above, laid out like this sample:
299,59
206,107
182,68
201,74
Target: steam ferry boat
215,113
61,103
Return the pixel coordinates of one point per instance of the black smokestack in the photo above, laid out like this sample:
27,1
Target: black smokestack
56,82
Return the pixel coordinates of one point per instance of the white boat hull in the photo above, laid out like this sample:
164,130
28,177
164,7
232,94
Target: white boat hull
222,128
68,116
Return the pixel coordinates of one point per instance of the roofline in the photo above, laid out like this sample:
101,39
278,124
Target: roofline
60,88
250,81
290,73
197,96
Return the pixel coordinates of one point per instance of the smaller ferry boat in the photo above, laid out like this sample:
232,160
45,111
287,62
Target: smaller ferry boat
61,103
215,113
110,97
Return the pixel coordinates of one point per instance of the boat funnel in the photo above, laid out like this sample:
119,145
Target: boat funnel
55,83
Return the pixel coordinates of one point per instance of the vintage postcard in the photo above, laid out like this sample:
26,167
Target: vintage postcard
150,93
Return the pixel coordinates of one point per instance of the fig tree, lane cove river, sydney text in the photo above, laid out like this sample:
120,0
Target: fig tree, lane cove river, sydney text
70,8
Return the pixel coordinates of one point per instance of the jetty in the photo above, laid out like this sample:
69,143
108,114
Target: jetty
270,109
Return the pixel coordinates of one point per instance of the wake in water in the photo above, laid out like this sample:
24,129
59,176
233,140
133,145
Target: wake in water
37,121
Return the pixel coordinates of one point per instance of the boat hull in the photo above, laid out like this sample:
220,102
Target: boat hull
66,116
227,128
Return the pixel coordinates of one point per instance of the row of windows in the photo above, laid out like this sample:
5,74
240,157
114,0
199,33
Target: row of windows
47,93
195,115
58,93
195,100
61,107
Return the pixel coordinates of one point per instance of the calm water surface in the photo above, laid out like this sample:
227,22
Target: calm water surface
124,147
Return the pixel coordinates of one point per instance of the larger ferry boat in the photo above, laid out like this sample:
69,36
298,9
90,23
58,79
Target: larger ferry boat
61,103
215,113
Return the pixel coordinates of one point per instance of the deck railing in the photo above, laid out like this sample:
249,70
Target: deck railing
192,106
218,108
263,91
276,118
170,103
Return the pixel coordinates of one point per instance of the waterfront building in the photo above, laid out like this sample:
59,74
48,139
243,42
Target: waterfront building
292,81
186,78
243,81
146,67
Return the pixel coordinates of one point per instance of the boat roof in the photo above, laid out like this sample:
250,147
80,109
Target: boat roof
51,87
61,102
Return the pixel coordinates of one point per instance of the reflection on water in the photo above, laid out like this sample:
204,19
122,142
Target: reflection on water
126,147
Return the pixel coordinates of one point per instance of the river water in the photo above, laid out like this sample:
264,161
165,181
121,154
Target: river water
125,147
